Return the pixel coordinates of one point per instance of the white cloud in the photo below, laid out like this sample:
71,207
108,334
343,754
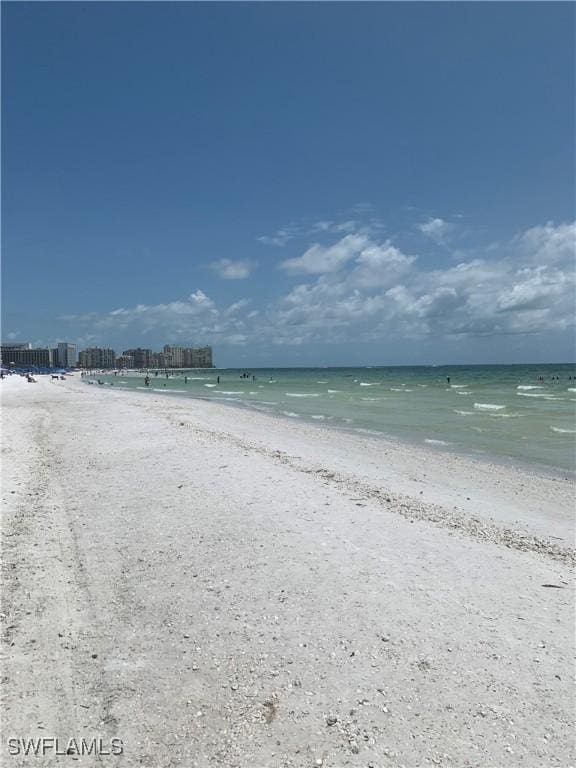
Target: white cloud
333,227
383,293
237,306
233,270
361,289
549,244
436,229
281,237
319,259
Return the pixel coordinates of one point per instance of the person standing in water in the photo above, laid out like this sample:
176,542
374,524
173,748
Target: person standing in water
217,379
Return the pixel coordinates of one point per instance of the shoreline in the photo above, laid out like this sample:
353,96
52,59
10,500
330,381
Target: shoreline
214,587
482,457
399,449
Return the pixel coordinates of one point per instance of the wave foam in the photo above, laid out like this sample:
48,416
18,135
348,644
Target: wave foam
543,395
297,394
563,431
488,407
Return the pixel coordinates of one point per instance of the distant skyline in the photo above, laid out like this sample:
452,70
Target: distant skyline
291,183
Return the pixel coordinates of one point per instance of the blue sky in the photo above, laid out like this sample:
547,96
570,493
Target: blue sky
324,183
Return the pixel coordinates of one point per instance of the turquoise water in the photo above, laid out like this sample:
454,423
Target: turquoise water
491,411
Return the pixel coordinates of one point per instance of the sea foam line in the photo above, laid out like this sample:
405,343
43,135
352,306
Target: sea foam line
297,394
488,407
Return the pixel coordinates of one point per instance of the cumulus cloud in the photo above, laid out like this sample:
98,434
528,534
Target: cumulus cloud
436,229
363,289
319,259
524,286
233,270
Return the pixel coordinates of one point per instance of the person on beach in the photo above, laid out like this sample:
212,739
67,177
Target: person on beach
147,381
185,379
217,379
448,379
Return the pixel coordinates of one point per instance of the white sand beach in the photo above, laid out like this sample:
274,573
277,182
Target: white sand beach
217,587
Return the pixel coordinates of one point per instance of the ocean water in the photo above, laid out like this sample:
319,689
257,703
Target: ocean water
504,412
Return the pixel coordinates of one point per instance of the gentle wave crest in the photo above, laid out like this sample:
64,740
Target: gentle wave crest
488,407
298,394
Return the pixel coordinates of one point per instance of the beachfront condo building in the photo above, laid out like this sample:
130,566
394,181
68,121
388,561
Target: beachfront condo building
187,357
199,357
66,355
97,357
175,356
170,357
143,358
125,362
24,356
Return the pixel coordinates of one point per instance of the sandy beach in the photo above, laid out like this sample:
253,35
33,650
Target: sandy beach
216,587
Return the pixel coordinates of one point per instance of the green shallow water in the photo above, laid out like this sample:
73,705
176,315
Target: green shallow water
490,411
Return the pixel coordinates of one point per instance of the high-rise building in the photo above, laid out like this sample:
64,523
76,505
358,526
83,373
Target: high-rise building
66,355
174,356
142,357
23,356
97,357
124,361
12,345
200,357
